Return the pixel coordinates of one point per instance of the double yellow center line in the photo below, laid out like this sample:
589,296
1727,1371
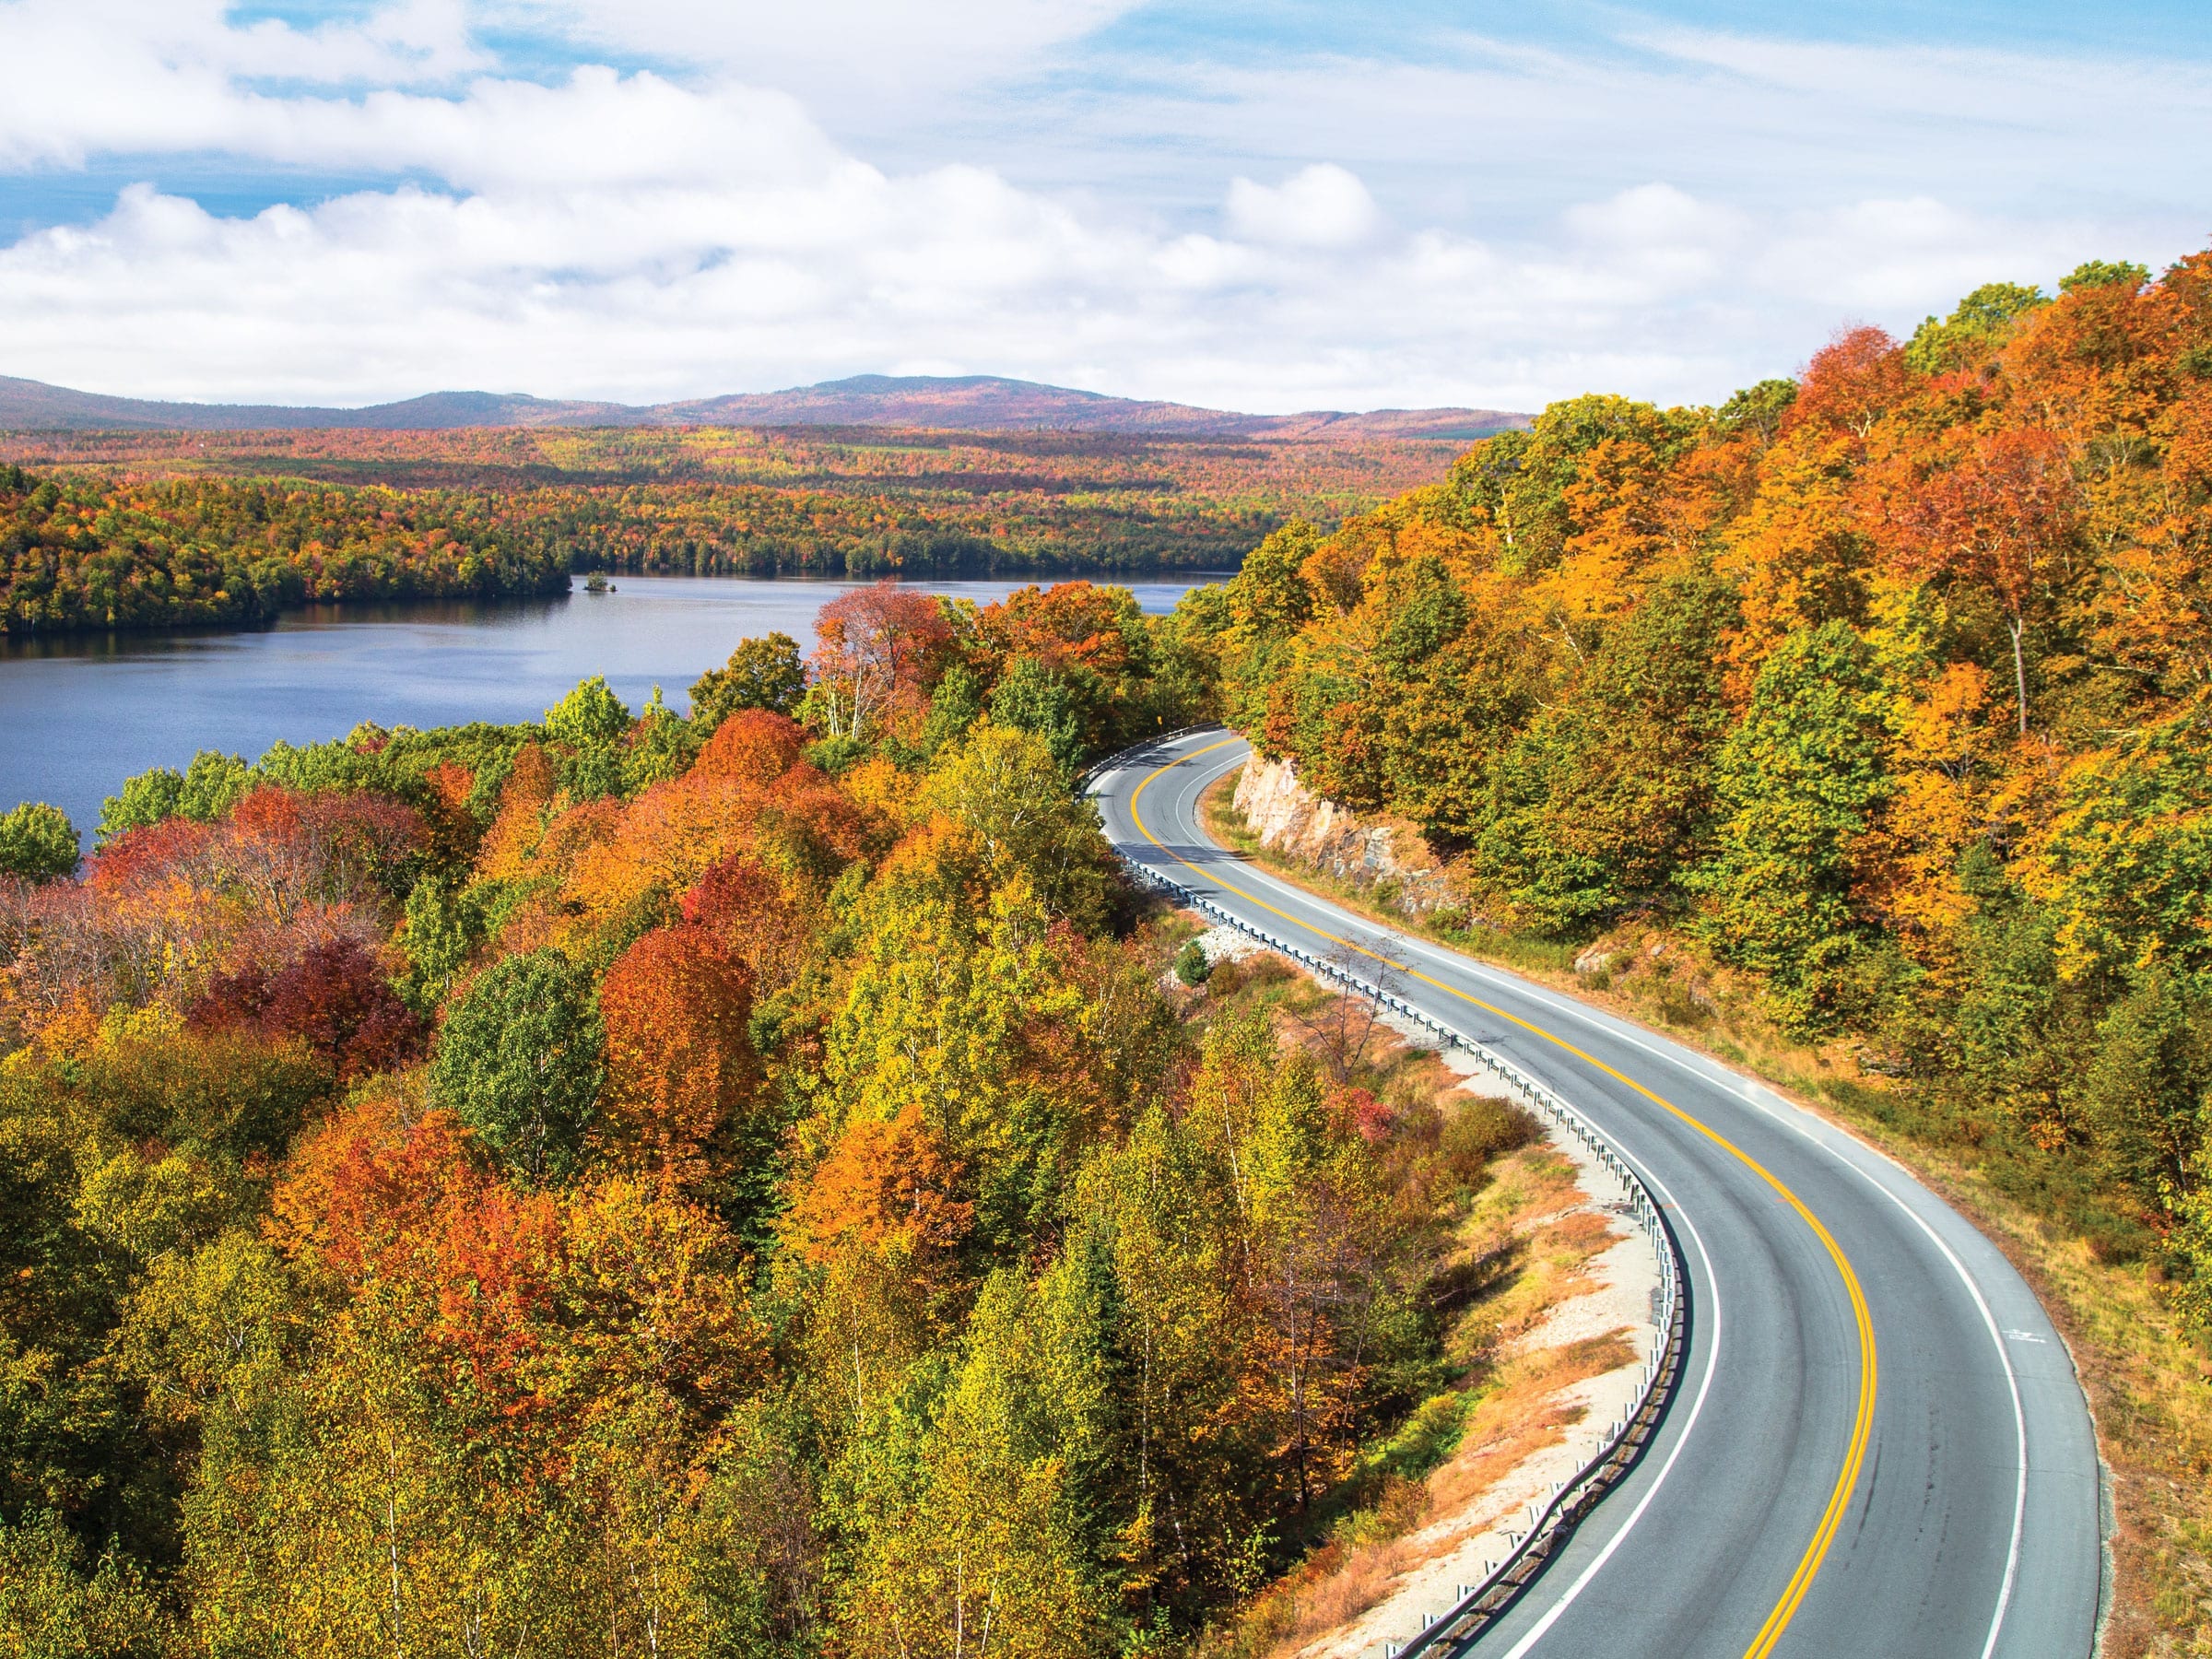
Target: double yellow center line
1862,1428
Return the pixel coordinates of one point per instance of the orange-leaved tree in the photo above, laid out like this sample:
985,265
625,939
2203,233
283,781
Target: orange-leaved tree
746,908
680,1065
1995,520
753,746
1851,384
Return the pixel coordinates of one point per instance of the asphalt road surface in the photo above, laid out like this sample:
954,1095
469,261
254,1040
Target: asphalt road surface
1878,1449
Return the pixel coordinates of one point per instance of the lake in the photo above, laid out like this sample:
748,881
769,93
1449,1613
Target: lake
78,714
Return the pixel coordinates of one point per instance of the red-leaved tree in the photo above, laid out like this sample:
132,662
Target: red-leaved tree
333,997
880,650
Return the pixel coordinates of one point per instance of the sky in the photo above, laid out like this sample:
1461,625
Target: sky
1262,205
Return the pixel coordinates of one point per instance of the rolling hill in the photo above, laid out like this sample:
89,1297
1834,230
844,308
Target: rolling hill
975,403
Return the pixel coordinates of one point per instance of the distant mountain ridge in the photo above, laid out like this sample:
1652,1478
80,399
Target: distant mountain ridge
972,403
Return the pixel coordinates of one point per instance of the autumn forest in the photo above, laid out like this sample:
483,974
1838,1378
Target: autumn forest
749,1179
139,530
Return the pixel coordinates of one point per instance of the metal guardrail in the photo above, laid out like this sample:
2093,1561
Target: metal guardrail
1548,1524
1121,757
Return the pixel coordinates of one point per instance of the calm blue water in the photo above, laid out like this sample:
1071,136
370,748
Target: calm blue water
77,715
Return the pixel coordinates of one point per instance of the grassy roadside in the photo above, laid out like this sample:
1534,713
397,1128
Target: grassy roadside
2146,1384
1513,1243
1529,1241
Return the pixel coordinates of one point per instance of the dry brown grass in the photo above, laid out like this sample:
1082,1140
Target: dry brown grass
1513,1420
1530,1212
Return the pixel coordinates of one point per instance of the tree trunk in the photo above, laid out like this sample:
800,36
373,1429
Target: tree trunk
2019,666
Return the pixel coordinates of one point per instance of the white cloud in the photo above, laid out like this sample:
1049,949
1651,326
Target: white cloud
1902,256
88,78
1662,239
686,287
596,127
1319,206
1671,221
1483,127
1655,216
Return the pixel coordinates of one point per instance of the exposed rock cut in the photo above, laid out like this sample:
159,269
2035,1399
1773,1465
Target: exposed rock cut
1290,818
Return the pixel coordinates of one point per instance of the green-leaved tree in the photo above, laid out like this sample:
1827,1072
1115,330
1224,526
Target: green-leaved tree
520,1062
589,717
1799,781
36,842
761,674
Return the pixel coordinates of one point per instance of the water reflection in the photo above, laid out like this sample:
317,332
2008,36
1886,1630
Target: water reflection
78,714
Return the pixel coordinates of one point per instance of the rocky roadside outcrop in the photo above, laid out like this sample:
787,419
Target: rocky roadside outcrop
1292,819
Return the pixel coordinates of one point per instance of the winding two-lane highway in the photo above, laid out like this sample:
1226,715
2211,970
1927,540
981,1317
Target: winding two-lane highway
1878,1450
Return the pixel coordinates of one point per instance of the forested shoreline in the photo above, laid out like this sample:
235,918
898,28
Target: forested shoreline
724,1182
139,530
78,553
748,1180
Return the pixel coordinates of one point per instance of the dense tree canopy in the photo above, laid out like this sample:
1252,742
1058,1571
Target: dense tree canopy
80,552
1885,687
746,1181
701,1184
147,529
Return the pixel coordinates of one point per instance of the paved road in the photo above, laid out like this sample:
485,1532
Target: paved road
1879,1449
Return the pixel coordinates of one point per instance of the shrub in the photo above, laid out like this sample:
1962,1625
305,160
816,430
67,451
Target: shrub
36,842
1482,1129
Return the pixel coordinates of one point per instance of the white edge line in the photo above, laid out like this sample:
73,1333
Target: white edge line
2019,1416
1743,1091
1712,1359
1824,1136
